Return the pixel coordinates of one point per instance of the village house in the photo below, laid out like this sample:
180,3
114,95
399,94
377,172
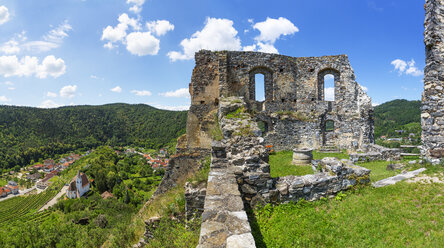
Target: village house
33,177
13,187
48,162
49,168
78,186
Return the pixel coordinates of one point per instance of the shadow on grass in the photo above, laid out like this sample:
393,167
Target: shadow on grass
255,230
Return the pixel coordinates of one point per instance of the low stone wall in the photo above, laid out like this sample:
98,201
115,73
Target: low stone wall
376,152
194,199
224,220
335,176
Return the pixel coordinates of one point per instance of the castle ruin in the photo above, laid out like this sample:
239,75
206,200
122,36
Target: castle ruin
432,117
294,113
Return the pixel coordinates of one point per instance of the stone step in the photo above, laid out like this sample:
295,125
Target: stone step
329,149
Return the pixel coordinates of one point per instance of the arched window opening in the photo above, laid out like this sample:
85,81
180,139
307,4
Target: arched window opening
329,88
263,126
259,86
329,126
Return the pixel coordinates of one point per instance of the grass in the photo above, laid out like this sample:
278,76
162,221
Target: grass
320,155
171,233
401,215
280,165
3,182
378,170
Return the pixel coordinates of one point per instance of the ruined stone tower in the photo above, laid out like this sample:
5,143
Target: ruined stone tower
432,117
295,112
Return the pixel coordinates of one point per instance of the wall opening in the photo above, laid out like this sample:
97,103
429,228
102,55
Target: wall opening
329,126
327,82
263,126
259,86
329,88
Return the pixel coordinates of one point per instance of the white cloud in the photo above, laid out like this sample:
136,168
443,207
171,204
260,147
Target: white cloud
365,89
329,94
109,45
141,92
53,39
52,67
142,44
11,88
4,14
218,34
116,89
136,5
374,104
172,108
183,92
249,48
159,27
4,99
10,47
27,66
49,104
272,29
400,65
407,68
58,34
413,70
267,48
9,83
118,33
51,94
68,91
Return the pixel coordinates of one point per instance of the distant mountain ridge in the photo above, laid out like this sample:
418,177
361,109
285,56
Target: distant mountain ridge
28,133
398,115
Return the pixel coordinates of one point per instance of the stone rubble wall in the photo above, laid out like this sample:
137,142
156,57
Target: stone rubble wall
294,108
240,177
224,220
432,117
335,176
194,200
179,167
376,152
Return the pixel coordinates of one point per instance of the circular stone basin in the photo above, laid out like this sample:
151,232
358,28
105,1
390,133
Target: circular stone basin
302,156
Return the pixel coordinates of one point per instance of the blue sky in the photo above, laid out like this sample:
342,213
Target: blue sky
76,52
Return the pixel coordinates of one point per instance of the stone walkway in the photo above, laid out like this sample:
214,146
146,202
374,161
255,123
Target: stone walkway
397,178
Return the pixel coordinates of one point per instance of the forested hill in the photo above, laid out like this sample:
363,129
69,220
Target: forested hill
28,133
396,115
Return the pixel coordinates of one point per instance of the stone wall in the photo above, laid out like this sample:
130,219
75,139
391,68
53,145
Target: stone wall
432,117
240,176
179,167
294,110
376,152
194,199
334,176
224,220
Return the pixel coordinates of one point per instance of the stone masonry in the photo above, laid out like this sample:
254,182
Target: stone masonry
240,177
294,112
432,117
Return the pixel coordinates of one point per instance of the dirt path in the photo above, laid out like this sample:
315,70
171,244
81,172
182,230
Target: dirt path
53,201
